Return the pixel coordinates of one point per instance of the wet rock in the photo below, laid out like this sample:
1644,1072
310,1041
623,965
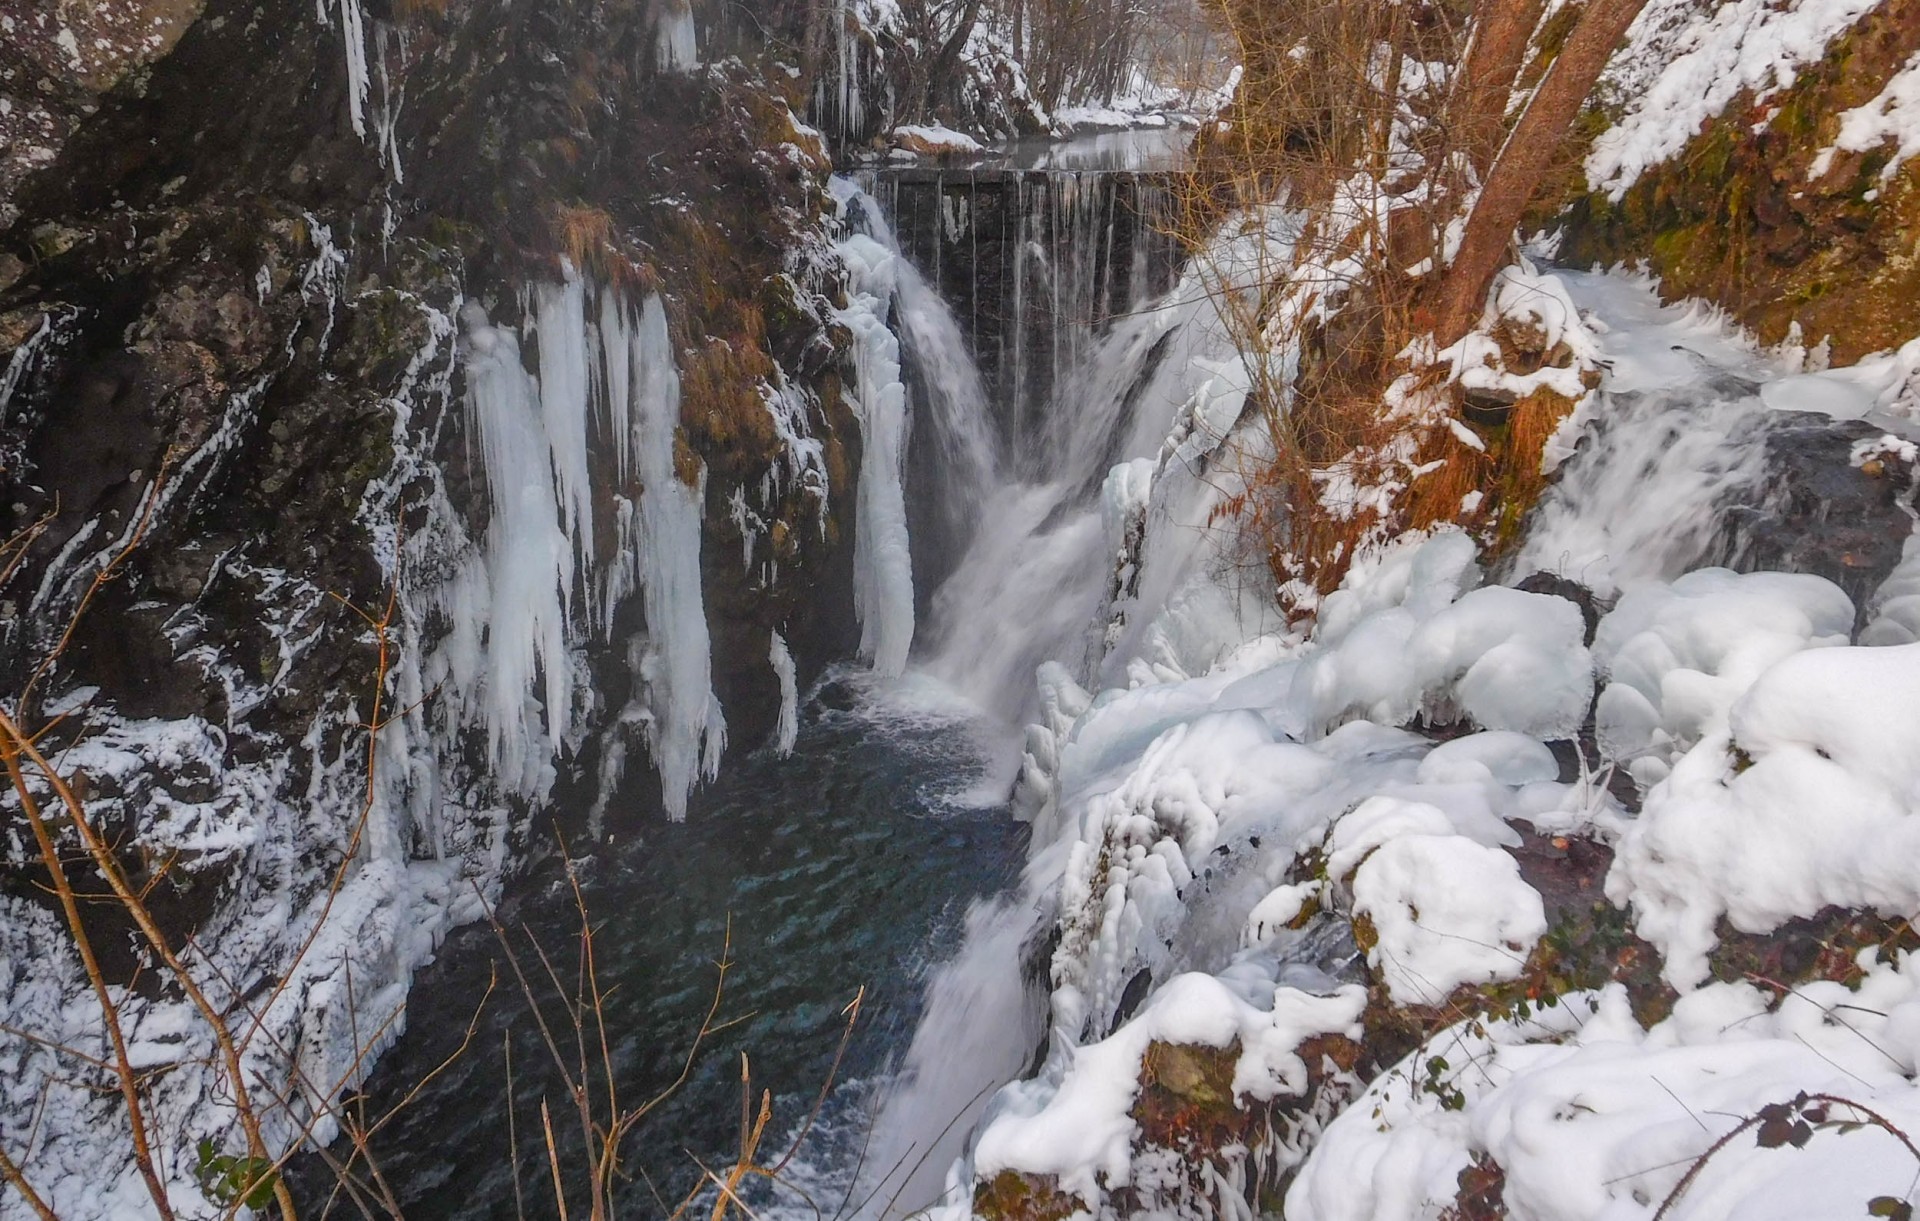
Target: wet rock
1818,512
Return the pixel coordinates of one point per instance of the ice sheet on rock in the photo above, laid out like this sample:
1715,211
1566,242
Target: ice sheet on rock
1677,656
883,567
786,728
1807,799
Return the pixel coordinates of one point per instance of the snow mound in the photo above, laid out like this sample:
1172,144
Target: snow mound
1677,656
1400,646
1082,1131
1591,1116
934,141
1446,911
1808,799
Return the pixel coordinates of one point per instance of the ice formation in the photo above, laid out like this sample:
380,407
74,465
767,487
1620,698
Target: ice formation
536,594
686,732
677,40
883,566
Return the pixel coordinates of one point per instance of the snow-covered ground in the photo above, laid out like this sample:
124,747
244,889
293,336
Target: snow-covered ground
1266,837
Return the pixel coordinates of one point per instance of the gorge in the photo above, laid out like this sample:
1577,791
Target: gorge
626,606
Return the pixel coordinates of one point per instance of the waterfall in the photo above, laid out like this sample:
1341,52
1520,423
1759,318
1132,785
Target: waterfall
1132,379
1012,550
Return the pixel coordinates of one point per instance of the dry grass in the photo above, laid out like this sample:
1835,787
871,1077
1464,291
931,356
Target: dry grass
1337,118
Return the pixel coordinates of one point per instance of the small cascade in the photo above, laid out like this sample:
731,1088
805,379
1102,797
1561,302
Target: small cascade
1036,264
1683,432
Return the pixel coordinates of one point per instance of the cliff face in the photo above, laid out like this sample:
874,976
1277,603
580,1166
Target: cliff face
264,275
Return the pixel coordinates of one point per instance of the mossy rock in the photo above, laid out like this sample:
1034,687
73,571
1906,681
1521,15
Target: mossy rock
1012,1196
1741,218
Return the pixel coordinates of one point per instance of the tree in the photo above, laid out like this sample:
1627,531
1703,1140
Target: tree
1527,153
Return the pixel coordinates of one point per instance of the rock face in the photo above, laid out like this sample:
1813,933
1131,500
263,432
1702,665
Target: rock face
1762,213
1822,512
245,485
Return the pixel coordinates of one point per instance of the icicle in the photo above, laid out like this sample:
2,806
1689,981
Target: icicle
561,320
687,731
677,42
353,34
529,561
390,103
616,363
787,729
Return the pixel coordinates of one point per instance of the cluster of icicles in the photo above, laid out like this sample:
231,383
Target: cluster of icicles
603,366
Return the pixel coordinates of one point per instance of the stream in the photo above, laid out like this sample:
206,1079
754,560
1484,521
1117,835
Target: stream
882,854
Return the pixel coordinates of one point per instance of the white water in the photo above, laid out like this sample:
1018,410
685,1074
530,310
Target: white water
1683,428
1031,588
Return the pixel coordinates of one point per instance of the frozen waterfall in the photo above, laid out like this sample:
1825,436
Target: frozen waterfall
521,613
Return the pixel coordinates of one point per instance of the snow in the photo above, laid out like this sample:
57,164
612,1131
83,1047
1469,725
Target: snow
1081,1130
1893,115
1894,612
1708,56
1446,911
1678,656
1592,1116
1398,645
1806,799
935,140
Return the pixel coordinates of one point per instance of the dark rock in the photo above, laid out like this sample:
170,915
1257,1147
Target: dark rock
1817,512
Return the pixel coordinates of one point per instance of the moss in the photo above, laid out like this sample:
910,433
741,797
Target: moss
1012,1196
1740,219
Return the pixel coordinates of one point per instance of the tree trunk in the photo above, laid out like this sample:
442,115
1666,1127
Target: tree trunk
1478,109
1524,160
943,63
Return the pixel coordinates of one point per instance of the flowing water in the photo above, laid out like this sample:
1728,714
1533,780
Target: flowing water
880,854
849,864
